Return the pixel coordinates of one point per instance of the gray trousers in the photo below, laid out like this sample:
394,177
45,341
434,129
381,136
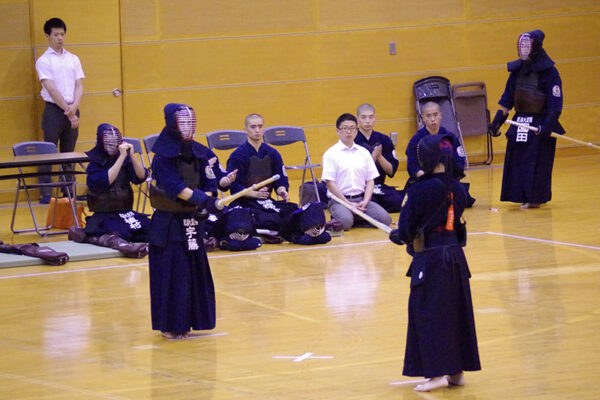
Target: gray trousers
348,218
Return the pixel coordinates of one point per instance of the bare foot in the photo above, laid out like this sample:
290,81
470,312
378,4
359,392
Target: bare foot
456,379
175,335
433,383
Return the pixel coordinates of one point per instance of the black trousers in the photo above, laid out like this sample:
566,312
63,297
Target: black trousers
57,129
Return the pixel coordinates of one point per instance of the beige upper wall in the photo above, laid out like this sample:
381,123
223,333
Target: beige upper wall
297,62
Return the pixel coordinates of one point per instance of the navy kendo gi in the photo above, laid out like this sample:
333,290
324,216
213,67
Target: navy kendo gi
306,225
534,89
256,166
386,196
181,285
113,223
458,157
441,338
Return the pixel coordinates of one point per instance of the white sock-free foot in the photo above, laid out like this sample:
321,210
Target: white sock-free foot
433,383
457,379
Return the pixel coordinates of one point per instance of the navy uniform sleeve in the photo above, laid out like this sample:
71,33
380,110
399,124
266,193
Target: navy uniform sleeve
238,161
412,163
508,97
554,100
278,168
133,178
389,153
409,215
97,177
165,172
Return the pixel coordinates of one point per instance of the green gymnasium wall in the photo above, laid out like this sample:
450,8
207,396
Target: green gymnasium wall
296,62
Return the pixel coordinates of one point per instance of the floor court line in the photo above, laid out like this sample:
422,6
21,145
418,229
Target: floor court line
296,249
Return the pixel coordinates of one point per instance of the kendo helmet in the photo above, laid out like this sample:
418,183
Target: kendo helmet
181,119
433,149
109,138
529,44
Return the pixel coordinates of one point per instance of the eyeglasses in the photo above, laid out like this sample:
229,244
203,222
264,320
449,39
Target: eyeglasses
348,128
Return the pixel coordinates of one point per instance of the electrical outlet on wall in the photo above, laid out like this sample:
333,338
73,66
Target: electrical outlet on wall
392,48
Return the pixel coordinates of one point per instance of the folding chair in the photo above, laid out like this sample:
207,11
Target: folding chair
34,148
226,140
137,148
148,143
285,135
437,88
470,102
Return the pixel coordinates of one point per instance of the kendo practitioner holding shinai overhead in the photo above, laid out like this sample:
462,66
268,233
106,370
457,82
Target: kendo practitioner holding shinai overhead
441,341
182,294
534,89
113,167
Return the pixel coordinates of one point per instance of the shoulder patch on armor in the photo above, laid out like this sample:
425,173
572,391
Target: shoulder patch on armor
208,171
461,151
394,154
404,200
556,91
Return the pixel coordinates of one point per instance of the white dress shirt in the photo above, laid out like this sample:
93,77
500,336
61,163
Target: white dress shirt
349,167
63,69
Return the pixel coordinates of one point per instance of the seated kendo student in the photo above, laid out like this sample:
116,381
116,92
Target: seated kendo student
432,117
112,168
234,230
384,155
306,225
256,161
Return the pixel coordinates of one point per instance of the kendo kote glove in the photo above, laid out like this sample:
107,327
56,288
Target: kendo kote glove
544,131
494,128
395,237
203,201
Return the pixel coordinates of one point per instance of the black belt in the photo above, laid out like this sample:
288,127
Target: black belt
356,196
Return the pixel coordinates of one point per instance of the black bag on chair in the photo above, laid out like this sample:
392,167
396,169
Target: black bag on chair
308,194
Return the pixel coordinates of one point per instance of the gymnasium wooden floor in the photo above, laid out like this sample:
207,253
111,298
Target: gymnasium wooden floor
326,322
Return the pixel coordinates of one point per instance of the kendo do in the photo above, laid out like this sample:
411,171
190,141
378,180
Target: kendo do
112,168
534,89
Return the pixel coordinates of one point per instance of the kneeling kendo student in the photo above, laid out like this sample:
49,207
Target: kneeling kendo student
113,167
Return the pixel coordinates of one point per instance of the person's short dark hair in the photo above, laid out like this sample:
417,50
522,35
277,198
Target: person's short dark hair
345,117
54,23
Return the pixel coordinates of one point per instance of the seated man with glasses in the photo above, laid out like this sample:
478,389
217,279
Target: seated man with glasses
349,171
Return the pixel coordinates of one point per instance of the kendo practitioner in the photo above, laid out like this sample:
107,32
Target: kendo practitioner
384,154
113,167
432,118
182,294
306,225
441,341
256,161
534,89
235,230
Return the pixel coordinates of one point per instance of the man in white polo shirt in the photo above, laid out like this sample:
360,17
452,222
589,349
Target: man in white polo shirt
349,171
61,76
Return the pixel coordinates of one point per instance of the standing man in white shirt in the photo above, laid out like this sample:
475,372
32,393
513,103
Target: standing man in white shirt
349,171
61,76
